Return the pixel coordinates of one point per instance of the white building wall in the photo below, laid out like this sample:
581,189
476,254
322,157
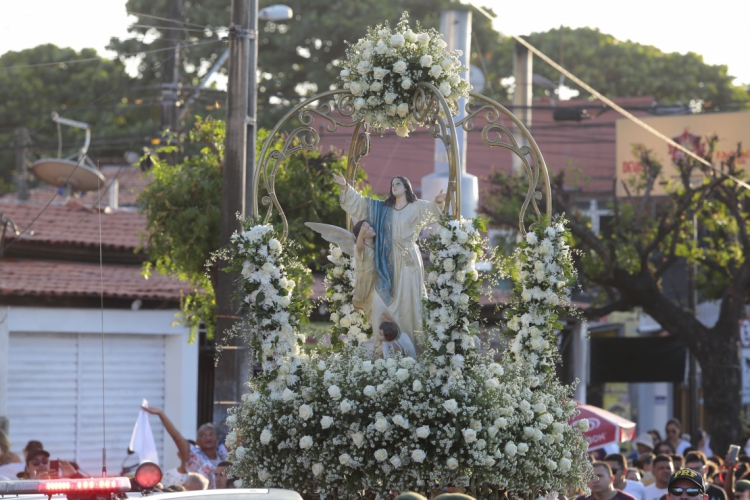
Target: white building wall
145,356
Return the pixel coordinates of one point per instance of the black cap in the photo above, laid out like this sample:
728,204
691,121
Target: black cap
690,475
36,452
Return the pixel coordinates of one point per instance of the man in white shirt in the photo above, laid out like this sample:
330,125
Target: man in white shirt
620,470
663,468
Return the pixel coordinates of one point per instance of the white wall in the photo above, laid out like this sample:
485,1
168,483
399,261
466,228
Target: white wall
181,359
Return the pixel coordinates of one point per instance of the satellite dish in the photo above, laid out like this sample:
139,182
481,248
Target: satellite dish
476,79
68,174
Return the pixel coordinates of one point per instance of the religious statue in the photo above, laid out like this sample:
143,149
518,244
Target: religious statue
397,221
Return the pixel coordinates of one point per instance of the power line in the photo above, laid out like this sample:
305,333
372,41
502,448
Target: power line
185,23
89,59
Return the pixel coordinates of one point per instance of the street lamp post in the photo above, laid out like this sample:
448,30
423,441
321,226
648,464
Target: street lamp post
237,192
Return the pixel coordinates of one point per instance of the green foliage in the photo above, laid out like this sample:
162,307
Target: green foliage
624,68
183,208
97,92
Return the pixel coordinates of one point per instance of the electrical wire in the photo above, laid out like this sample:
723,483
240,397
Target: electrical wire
138,14
615,106
89,59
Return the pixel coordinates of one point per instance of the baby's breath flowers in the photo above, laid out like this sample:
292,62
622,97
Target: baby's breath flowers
383,69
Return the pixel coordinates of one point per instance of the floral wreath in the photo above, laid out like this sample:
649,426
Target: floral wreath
383,69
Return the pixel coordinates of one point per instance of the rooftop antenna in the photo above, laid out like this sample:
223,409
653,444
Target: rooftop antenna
80,175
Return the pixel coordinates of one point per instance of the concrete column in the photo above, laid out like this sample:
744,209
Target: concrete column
581,359
455,26
522,96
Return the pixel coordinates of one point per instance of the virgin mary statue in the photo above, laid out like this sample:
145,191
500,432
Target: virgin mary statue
399,285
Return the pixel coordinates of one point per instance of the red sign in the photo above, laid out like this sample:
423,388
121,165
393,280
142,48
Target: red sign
604,427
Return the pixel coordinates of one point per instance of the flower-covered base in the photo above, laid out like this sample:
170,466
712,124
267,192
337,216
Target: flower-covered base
346,423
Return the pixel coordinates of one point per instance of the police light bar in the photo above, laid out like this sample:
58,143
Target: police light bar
65,486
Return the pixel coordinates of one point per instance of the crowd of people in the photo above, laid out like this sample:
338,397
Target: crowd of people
203,462
657,466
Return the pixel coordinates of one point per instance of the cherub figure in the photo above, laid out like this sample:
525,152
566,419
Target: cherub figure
390,339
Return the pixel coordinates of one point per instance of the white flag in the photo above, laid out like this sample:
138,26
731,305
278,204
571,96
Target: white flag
142,440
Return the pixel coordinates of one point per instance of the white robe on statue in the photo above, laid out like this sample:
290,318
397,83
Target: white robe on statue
408,287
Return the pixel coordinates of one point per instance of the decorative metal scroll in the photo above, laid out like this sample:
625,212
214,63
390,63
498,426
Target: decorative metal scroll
429,109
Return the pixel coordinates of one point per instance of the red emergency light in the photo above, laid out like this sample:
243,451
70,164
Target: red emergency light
66,486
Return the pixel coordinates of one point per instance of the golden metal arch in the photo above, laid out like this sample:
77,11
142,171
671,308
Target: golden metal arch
431,109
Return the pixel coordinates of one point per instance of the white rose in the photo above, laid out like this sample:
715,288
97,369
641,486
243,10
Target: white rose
531,238
489,462
231,439
442,44
403,109
367,366
418,456
367,54
334,392
381,424
510,449
525,405
402,131
262,475
445,89
402,374
397,40
406,83
450,347
376,86
356,88
344,74
358,104
470,435
389,97
266,436
451,405
523,448
239,453
423,38
345,459
492,430
274,245
432,277
326,422
564,464
288,395
436,71
306,442
285,301
358,439
446,63
501,423
399,67
452,463
231,420
491,383
416,386
345,406
423,432
401,421
317,469
583,424
395,461
370,391
449,265
426,61
476,425
321,363
381,455
454,79
305,412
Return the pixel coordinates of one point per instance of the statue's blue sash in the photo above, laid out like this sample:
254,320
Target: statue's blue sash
380,216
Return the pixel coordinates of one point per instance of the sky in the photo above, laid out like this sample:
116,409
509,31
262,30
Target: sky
716,30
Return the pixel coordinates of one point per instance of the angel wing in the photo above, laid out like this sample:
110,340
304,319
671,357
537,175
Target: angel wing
335,234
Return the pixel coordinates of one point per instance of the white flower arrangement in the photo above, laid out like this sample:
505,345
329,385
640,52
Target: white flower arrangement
351,325
382,71
453,416
271,308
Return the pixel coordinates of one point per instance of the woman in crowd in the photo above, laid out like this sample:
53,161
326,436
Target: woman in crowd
7,456
674,431
203,456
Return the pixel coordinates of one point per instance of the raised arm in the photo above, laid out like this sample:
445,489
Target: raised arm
183,447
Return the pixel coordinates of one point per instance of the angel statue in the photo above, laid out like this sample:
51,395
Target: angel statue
361,246
397,221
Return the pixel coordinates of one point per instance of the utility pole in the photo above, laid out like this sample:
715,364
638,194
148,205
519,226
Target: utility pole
693,384
170,78
522,96
231,372
22,141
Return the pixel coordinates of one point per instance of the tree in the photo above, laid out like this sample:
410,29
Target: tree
296,58
96,91
183,207
625,68
625,265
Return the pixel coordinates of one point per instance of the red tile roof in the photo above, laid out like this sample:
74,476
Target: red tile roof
27,277
75,224
588,145
131,182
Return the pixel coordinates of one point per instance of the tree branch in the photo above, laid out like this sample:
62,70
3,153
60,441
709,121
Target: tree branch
597,312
